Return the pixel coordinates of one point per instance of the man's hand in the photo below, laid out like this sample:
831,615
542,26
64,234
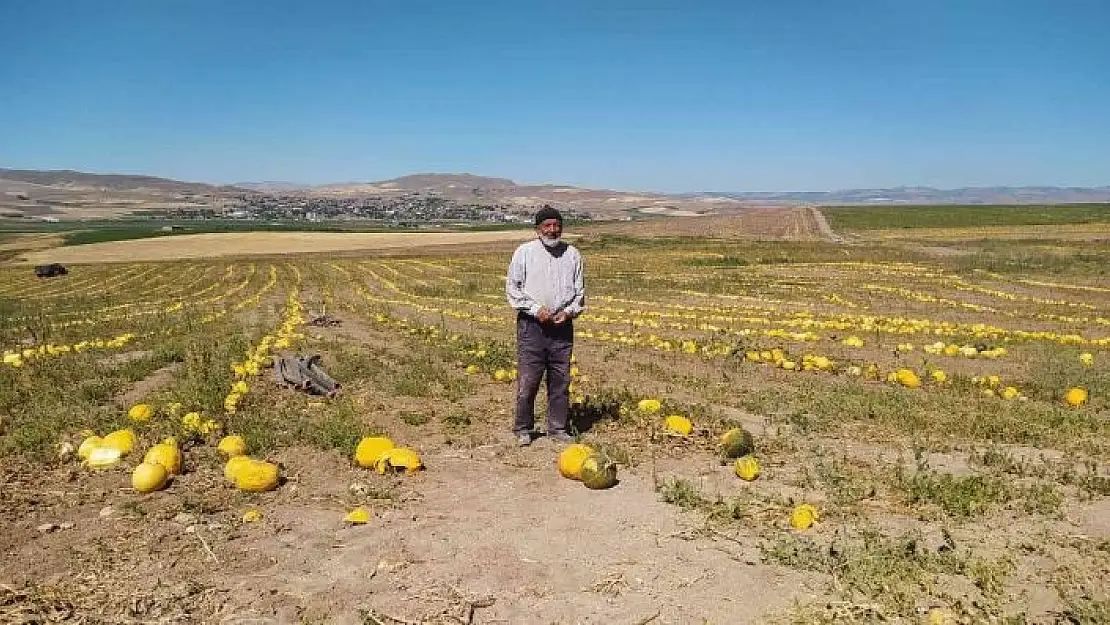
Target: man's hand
559,318
544,315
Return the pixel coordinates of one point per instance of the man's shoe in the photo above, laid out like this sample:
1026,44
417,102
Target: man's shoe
561,437
523,440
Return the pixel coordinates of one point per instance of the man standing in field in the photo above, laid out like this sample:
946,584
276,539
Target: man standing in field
547,288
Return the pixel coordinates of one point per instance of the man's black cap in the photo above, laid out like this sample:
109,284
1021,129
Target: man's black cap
546,213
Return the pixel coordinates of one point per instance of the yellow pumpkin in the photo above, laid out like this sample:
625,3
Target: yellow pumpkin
747,468
233,466
358,516
803,516
1076,396
256,476
678,424
140,413
399,458
570,461
123,440
149,477
103,457
907,378
370,449
232,445
166,454
88,445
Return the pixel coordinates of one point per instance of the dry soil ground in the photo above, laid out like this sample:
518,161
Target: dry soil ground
258,243
786,223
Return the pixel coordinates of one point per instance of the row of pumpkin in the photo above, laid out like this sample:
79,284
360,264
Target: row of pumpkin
580,462
597,471
164,460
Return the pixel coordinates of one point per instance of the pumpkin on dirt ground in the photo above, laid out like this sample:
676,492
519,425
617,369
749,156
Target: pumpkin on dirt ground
1076,396
358,516
678,424
570,461
256,476
907,378
123,440
88,445
140,413
232,445
736,443
398,459
370,449
747,468
234,465
598,471
149,477
103,457
166,454
803,516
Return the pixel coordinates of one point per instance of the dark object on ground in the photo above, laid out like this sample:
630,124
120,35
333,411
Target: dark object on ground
51,270
305,374
323,321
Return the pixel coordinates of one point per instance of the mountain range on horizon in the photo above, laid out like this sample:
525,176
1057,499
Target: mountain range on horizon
893,195
28,192
900,193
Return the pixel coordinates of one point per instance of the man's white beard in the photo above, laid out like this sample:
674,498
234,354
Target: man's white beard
551,242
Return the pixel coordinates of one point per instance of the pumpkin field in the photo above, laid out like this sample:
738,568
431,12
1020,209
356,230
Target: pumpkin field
876,429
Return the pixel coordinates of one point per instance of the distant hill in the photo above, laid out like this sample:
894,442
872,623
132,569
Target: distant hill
471,188
421,182
79,195
483,188
77,180
70,195
449,185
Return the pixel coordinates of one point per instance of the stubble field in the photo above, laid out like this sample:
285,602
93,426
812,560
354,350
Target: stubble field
918,401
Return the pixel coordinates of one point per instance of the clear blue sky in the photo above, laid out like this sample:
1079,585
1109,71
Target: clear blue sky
652,95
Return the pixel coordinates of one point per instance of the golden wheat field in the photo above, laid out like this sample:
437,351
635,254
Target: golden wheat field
930,439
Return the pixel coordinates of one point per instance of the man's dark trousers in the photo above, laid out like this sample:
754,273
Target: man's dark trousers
542,348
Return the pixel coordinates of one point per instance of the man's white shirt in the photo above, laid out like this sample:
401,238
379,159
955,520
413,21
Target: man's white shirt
537,278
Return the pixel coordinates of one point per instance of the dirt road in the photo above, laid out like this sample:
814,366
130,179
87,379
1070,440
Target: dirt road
823,225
